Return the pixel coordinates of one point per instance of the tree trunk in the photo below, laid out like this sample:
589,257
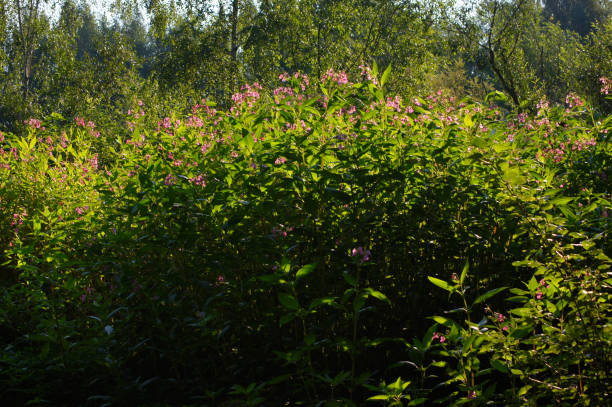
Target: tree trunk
26,25
234,38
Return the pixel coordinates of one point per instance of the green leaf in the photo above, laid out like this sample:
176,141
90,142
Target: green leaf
377,295
444,321
521,312
385,76
287,318
465,271
379,397
533,284
467,121
521,332
488,295
441,283
499,365
550,307
285,265
349,279
317,302
513,176
497,96
562,201
304,271
587,244
270,278
359,302
289,301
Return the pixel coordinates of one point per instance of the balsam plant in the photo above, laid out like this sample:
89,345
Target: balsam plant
282,252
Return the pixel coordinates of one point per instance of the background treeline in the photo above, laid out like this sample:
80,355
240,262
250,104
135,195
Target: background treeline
65,57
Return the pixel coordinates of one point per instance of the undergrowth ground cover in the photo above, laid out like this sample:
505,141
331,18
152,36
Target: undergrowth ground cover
322,245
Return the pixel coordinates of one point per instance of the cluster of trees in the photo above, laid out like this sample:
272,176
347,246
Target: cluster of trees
66,58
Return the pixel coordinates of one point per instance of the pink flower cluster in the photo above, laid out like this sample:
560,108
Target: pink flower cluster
364,254
166,123
81,210
573,100
194,121
248,95
136,114
170,180
539,294
199,180
302,79
558,153
542,107
606,85
203,105
281,93
281,231
34,124
394,103
340,78
18,219
439,337
367,72
90,125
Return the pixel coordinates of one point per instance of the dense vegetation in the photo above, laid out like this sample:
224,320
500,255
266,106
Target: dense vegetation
199,211
300,248
65,57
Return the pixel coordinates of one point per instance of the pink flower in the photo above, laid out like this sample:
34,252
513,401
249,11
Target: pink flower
606,85
364,253
80,210
439,337
170,180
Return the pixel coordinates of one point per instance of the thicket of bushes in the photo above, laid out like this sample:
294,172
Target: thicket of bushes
315,246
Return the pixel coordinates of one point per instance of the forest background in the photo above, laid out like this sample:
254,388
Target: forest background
305,202
64,57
